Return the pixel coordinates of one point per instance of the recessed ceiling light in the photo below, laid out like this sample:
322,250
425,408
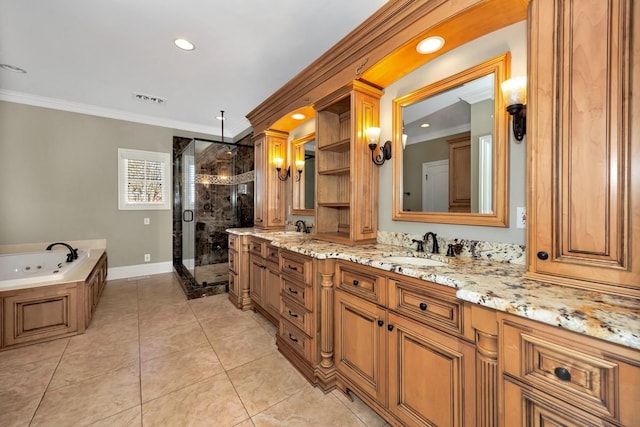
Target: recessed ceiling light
425,125
184,44
430,45
298,116
12,68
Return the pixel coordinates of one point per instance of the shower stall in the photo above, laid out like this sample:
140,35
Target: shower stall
213,191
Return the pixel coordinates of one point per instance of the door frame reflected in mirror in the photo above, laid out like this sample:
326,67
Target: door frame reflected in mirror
499,217
298,186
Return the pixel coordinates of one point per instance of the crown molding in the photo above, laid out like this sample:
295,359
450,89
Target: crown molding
93,110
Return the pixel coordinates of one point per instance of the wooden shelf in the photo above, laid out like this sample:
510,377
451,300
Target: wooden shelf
340,146
337,171
334,205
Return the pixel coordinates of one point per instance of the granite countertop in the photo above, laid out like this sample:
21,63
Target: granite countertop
501,286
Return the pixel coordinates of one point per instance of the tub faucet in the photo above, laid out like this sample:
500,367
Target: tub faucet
73,253
435,248
301,226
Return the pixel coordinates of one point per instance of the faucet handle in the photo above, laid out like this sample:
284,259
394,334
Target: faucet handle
420,243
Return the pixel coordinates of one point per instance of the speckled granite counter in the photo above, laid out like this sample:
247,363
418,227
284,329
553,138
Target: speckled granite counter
501,286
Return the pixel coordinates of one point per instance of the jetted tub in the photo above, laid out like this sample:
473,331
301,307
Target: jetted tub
33,268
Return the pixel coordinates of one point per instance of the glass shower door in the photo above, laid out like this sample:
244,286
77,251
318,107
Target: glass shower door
188,181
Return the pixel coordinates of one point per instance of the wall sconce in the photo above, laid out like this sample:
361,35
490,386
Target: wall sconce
514,92
373,134
299,166
278,161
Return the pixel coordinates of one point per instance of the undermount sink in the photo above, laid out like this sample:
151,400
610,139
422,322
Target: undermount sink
423,262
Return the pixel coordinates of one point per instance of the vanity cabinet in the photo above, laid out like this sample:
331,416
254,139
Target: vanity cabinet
271,294
269,200
264,279
346,178
557,377
390,354
94,285
239,271
583,142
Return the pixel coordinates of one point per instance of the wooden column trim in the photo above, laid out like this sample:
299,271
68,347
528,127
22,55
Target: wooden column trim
325,372
485,323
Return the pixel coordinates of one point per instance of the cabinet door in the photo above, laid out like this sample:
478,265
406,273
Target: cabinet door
360,346
272,291
583,138
269,202
257,277
431,376
460,174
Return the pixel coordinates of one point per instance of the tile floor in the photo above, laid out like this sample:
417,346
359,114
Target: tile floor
152,358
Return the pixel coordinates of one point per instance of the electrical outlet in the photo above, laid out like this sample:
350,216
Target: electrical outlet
521,218
147,257
147,221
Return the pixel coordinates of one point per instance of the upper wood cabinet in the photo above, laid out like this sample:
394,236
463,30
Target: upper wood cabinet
583,137
269,200
346,178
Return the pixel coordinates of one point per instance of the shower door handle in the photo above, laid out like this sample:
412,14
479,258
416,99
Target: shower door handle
187,214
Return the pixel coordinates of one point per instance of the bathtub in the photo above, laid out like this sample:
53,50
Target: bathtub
33,268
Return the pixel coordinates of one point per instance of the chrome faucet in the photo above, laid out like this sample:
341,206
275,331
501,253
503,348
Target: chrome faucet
301,226
73,253
435,248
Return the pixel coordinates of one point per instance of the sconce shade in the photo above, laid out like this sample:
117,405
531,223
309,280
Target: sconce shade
514,91
404,140
373,134
299,164
278,161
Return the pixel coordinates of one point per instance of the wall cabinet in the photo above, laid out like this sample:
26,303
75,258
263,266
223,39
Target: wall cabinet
583,142
346,178
269,200
556,377
396,361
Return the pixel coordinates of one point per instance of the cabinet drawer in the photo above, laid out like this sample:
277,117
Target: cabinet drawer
298,316
296,339
427,303
233,261
233,242
361,282
300,294
258,247
273,254
297,267
562,369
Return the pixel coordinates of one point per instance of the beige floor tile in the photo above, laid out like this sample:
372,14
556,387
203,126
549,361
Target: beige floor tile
212,402
214,307
266,381
173,371
165,317
232,324
17,412
360,409
308,408
28,380
33,353
107,330
83,360
265,323
234,351
90,401
129,418
181,337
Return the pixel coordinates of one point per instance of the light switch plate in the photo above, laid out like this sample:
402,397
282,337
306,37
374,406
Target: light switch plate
521,217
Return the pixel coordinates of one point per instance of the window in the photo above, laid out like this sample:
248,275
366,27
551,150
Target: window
144,180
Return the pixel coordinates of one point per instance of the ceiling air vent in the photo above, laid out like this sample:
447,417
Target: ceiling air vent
150,98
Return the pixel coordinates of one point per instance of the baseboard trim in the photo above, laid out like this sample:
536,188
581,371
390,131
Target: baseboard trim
128,271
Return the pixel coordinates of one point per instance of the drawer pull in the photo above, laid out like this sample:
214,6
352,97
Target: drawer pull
380,323
293,291
563,374
542,255
390,327
423,306
355,282
292,338
292,314
291,267
272,254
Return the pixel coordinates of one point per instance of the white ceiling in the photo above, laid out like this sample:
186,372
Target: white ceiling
91,56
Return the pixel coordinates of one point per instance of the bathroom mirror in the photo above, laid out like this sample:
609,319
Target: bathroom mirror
451,152
303,154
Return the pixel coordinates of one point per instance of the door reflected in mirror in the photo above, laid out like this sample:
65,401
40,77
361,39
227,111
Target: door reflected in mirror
451,140
303,185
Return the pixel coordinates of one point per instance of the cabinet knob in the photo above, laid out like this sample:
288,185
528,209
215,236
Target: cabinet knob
563,374
380,322
355,282
390,327
423,306
543,255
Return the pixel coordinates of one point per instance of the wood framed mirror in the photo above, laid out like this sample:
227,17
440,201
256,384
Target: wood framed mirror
303,184
451,152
